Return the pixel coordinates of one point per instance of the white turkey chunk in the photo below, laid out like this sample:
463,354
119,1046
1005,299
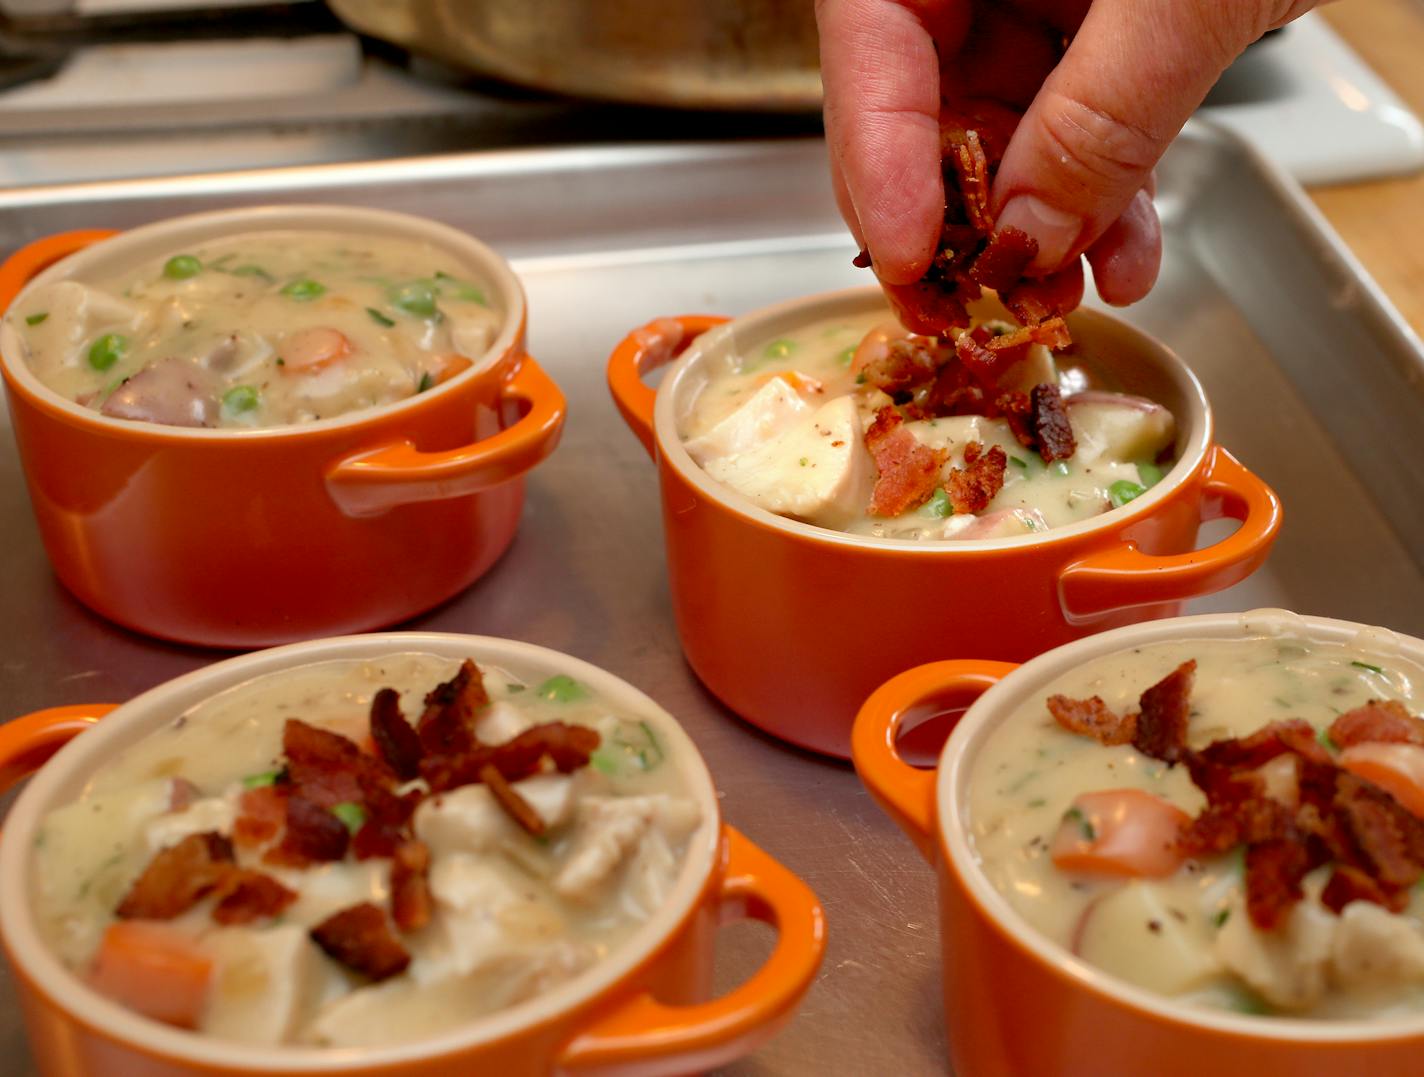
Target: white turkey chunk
324,889
1135,933
1287,966
1035,368
76,314
767,412
818,470
463,820
265,983
610,830
1375,948
501,722
199,817
1113,427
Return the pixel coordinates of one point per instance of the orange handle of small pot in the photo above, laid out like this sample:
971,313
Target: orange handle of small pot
26,743
33,258
398,474
655,344
1124,576
905,792
640,1036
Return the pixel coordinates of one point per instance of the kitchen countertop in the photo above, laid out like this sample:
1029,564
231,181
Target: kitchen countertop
1383,221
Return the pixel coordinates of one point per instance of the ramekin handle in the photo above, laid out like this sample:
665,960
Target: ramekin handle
33,258
659,342
907,793
375,480
641,1037
26,743
1124,577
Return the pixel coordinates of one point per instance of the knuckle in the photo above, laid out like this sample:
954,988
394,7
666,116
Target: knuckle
1096,147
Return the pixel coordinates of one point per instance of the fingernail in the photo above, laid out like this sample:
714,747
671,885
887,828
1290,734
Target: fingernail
1057,232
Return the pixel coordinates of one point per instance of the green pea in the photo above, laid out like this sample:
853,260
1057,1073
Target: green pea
1149,473
1123,491
240,398
938,506
561,689
779,349
379,318
351,814
417,298
181,267
107,350
304,290
36,319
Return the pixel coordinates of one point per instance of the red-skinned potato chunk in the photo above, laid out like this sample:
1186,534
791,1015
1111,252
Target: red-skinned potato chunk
1125,832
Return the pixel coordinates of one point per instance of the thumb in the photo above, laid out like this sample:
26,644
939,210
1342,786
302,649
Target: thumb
1130,79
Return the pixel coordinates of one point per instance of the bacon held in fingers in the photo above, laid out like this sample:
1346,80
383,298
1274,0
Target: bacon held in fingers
360,937
178,877
396,740
908,470
410,886
973,486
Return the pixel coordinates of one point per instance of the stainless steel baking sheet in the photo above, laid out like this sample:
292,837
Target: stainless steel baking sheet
1316,383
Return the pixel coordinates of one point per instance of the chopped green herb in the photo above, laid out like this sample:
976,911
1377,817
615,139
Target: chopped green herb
379,318
938,506
36,319
778,349
1221,917
107,350
426,381
181,267
1323,736
1148,473
1018,462
459,289
1366,665
1123,491
1060,467
253,271
846,357
1280,702
304,290
240,399
417,297
860,378
281,361
257,781
514,689
1085,825
561,689
1037,802
351,814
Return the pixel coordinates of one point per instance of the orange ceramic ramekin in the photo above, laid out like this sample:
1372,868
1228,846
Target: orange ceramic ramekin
644,1010
793,625
1017,1004
253,537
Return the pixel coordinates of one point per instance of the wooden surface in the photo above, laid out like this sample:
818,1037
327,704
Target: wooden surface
1384,221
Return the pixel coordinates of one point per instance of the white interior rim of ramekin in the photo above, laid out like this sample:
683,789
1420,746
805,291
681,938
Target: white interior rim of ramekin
56,783
853,302
1032,678
177,233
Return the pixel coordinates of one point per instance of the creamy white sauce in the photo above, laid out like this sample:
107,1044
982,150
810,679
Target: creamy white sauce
257,330
754,442
514,915
1182,935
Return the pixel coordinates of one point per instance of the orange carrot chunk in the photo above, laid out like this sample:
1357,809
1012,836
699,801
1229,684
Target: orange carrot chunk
1123,832
1398,769
154,970
309,350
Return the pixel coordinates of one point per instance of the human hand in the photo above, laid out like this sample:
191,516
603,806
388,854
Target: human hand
1077,175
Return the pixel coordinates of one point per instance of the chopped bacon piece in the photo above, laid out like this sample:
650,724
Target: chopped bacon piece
1349,884
909,471
966,156
508,798
983,362
447,724
396,740
245,896
1166,706
1016,409
1293,735
312,834
1033,301
178,877
1381,720
567,747
260,814
972,487
905,364
410,886
360,937
1274,871
1052,334
1092,718
1388,836
1004,258
324,767
387,825
1049,420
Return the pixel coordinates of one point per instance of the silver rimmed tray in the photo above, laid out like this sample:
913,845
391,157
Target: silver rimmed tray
1317,383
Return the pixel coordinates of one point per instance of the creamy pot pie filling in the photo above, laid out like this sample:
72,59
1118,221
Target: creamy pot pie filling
1234,824
364,852
258,330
